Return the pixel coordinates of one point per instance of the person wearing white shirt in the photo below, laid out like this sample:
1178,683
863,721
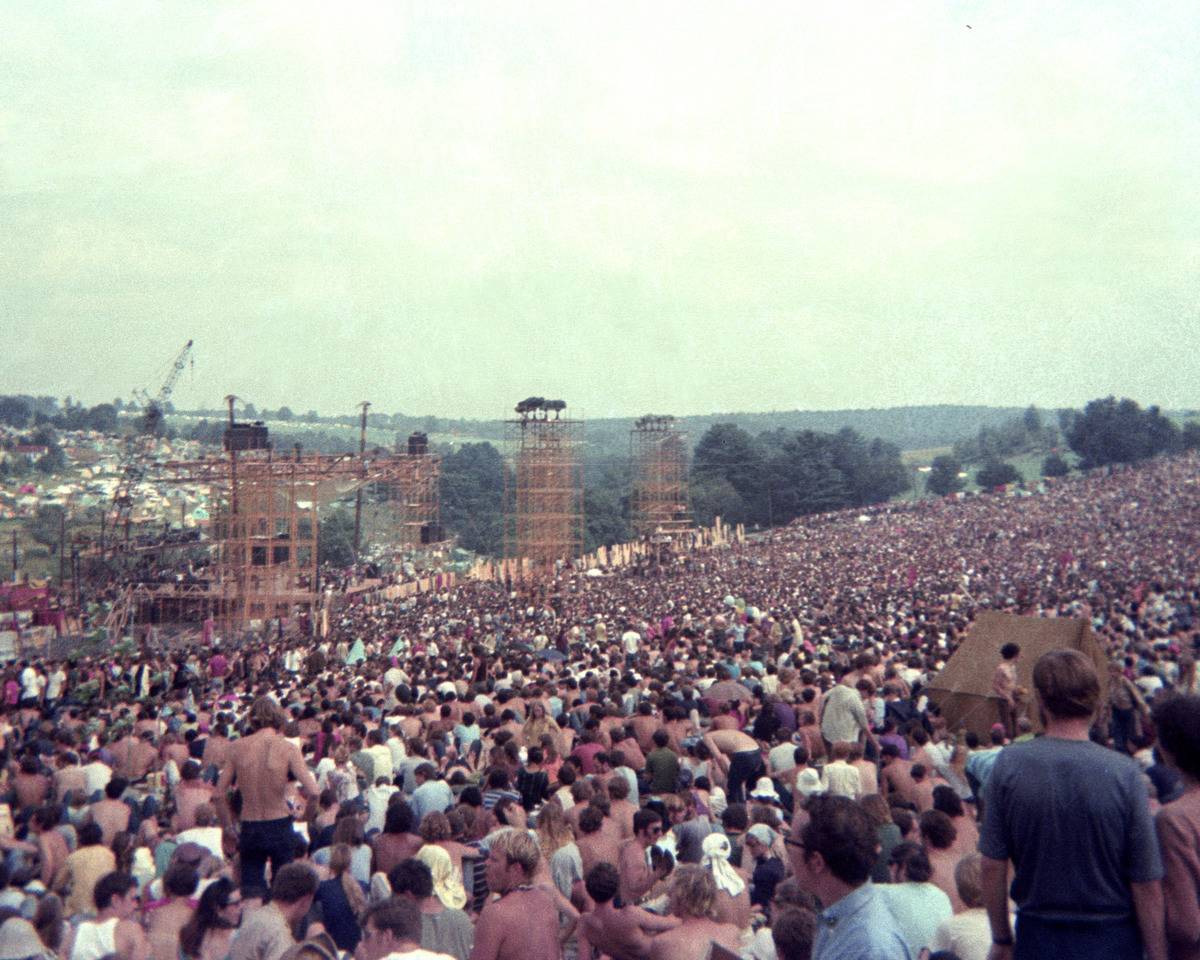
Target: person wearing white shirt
631,641
968,933
377,798
56,683
32,683
1149,683
918,905
839,777
395,743
782,757
98,774
432,795
394,676
381,755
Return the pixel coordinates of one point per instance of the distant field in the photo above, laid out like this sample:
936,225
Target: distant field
1029,465
923,457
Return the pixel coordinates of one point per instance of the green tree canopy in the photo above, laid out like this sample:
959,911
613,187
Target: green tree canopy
1055,466
781,474
1189,436
1120,431
997,473
604,512
14,411
335,544
727,452
472,492
714,497
944,476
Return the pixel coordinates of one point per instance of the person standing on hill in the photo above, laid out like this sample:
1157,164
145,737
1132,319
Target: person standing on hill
259,765
1004,686
1073,818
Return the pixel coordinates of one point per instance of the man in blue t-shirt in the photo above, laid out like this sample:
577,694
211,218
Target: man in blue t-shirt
1073,818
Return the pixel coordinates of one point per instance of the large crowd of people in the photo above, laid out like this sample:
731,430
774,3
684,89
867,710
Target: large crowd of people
732,754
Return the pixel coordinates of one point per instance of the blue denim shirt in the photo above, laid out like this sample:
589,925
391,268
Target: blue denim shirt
859,927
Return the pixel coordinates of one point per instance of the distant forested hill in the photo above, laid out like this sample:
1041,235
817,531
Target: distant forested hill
910,428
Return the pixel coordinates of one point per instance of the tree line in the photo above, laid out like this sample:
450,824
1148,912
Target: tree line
769,479
1106,432
20,411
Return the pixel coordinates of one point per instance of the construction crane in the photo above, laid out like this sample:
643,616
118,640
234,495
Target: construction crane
137,447
152,414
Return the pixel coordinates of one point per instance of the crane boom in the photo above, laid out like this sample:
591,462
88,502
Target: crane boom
164,393
137,447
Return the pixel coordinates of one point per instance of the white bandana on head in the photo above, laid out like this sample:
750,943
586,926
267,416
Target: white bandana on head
716,858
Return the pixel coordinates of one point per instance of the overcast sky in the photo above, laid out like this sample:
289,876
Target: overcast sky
672,207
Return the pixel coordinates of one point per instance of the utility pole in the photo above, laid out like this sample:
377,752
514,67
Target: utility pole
233,529
62,546
358,497
14,555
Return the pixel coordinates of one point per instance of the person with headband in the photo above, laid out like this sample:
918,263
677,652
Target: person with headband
768,868
732,904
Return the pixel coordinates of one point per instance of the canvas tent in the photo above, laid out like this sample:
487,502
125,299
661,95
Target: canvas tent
963,688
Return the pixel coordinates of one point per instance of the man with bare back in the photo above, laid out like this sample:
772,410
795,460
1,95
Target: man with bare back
620,932
523,924
259,765
693,898
895,778
596,844
743,756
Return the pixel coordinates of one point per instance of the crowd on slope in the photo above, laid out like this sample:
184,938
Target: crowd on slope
732,754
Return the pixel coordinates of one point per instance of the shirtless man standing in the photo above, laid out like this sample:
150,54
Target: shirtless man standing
523,923
623,933
744,757
895,777
596,845
1004,687
693,896
259,764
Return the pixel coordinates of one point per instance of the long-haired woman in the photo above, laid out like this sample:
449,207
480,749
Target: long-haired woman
342,899
208,935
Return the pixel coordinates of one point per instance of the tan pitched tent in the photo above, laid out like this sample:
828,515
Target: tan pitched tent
963,688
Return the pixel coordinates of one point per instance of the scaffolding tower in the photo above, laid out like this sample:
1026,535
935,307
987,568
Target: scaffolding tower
658,451
412,499
265,528
543,485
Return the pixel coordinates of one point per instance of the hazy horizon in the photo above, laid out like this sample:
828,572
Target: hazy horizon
681,208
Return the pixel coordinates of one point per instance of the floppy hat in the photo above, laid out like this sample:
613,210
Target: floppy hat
765,790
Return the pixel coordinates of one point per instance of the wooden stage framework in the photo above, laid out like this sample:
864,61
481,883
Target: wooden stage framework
263,543
543,483
659,458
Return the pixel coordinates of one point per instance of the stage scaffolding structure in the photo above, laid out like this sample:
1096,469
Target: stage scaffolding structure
543,481
411,498
264,530
659,458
